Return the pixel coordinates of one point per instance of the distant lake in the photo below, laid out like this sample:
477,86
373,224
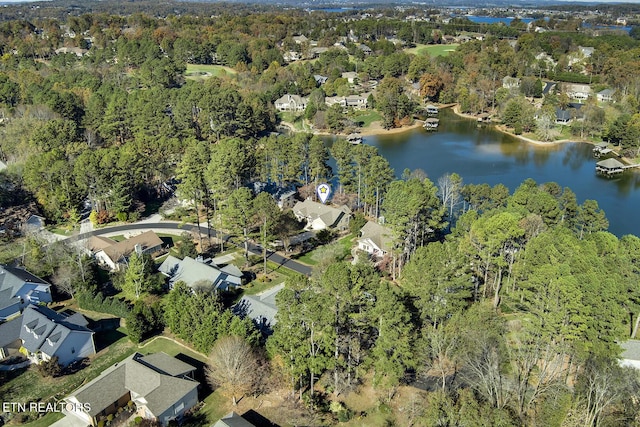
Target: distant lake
493,20
484,155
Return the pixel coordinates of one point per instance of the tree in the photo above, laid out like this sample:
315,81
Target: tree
137,275
267,214
238,215
232,365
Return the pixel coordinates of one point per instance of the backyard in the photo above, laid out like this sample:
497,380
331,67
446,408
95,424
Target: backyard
203,72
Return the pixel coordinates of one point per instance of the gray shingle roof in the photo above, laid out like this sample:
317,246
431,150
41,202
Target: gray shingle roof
610,163
11,280
328,214
45,330
168,364
630,350
378,234
261,307
135,374
232,420
197,274
10,331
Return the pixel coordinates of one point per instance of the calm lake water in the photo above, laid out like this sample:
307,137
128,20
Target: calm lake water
483,154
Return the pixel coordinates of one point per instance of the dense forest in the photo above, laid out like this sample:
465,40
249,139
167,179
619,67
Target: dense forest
506,306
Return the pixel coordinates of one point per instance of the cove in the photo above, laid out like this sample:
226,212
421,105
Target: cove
485,155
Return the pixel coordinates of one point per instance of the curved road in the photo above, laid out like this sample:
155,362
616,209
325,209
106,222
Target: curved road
253,248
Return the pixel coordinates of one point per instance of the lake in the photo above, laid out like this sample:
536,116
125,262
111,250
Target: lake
483,154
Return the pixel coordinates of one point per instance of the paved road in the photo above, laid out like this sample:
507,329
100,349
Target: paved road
253,248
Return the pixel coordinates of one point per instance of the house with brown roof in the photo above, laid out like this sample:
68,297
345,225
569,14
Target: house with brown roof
159,387
117,253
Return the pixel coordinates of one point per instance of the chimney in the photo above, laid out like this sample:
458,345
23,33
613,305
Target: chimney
138,249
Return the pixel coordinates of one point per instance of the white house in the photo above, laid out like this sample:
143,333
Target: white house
289,102
118,252
351,76
509,82
375,239
630,354
46,334
606,95
18,289
580,92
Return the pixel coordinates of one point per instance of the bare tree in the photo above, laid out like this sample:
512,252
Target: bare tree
232,366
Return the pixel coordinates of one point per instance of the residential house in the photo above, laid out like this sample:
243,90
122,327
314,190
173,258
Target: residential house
200,274
351,76
366,49
18,289
509,82
79,52
160,387
233,420
291,56
260,307
10,342
333,100
300,39
320,216
606,95
117,253
357,102
285,196
630,354
563,117
577,91
34,223
315,52
375,239
293,103
46,334
320,80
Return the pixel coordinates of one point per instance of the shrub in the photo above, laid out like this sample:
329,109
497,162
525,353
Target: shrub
50,368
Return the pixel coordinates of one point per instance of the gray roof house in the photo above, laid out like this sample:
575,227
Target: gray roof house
19,288
320,216
200,274
563,117
291,103
10,342
375,239
46,334
606,95
160,386
260,307
232,420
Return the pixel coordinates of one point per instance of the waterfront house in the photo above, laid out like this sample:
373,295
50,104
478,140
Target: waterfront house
46,334
18,289
157,387
580,92
294,103
375,239
563,117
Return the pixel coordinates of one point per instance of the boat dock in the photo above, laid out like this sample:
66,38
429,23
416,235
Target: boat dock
601,149
610,167
431,123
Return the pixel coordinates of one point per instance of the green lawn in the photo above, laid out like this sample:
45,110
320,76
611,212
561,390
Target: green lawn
297,120
366,117
47,420
432,49
346,242
155,345
216,406
257,286
203,72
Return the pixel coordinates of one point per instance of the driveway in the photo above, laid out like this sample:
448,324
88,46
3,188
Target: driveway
69,421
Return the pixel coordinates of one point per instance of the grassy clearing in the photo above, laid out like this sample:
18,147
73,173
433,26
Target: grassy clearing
297,120
47,420
346,242
258,286
155,345
365,118
432,50
203,72
216,405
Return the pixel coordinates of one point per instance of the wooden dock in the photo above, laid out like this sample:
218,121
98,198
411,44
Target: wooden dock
602,149
610,167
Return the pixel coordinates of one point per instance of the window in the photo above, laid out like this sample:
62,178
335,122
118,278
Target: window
180,407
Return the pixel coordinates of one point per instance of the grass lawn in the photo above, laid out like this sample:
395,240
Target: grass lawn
47,420
366,117
257,286
216,406
297,120
346,242
432,49
203,72
29,386
155,345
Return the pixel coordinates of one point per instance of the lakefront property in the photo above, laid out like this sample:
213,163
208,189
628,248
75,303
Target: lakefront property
298,215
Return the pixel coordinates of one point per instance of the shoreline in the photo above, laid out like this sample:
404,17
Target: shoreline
373,130
502,129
